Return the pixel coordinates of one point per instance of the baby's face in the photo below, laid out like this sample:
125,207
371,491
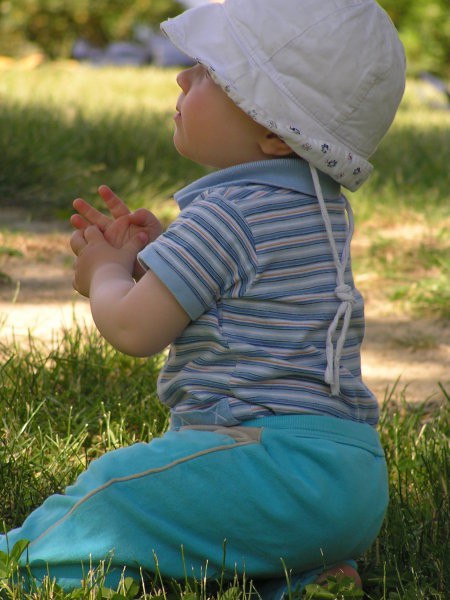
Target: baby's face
210,129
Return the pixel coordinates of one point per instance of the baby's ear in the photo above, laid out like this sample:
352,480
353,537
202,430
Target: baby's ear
272,145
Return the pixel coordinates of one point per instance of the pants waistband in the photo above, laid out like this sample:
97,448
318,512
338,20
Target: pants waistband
323,426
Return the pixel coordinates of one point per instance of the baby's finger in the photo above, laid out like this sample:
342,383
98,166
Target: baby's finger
137,242
93,234
90,214
77,241
116,206
146,219
78,222
143,217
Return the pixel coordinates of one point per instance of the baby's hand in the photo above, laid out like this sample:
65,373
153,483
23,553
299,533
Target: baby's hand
118,229
96,253
122,225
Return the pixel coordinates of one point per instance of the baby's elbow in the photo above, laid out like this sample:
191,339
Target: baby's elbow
133,341
139,351
134,345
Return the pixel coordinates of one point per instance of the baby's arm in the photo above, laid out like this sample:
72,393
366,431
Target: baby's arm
139,319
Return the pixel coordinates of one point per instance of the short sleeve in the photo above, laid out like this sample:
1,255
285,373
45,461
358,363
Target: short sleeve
207,253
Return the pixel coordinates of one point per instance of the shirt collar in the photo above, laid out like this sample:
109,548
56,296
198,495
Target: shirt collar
288,173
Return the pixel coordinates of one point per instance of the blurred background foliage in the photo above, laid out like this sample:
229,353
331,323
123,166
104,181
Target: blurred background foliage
424,27
52,26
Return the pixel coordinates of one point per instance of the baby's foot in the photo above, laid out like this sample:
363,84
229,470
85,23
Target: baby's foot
340,570
279,589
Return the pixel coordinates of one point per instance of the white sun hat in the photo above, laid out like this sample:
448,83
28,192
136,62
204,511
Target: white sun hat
326,76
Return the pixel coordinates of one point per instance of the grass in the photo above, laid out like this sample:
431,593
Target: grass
64,406
64,129
412,264
75,402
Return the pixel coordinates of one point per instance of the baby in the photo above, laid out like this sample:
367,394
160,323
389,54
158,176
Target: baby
272,459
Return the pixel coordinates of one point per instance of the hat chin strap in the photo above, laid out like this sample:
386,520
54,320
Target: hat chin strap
343,292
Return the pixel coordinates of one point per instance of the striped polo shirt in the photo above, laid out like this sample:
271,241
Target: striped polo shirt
249,260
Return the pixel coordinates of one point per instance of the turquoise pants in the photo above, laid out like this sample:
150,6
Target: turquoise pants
305,490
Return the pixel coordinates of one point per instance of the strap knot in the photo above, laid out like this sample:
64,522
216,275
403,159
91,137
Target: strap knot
345,293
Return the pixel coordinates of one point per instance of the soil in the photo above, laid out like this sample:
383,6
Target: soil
402,356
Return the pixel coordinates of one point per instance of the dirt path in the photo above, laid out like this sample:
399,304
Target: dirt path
38,299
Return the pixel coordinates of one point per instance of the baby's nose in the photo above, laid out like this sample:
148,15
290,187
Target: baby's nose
182,80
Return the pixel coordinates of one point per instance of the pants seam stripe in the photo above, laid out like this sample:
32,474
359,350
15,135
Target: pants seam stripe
140,475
